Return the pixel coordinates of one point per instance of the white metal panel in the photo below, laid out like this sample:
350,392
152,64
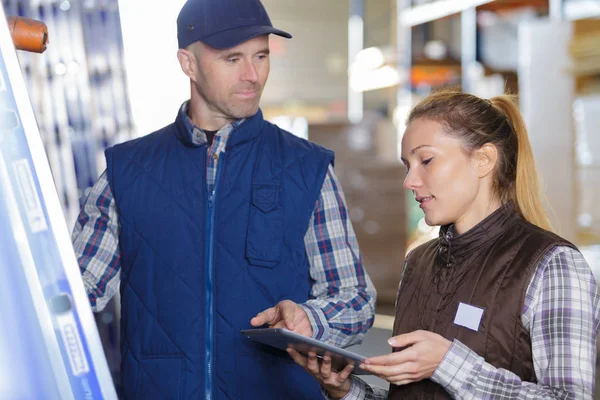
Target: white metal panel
546,92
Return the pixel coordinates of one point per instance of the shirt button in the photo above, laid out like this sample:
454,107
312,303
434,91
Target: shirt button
215,156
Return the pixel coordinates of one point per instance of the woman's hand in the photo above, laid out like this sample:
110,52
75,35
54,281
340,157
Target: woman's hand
336,384
423,353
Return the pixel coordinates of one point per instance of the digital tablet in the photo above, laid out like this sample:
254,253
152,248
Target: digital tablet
282,339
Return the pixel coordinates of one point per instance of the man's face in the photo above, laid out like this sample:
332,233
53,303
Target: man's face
230,82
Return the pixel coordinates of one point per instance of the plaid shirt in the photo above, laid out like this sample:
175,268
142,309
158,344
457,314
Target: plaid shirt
562,314
341,308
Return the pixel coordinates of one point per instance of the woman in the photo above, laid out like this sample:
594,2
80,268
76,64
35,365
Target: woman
497,307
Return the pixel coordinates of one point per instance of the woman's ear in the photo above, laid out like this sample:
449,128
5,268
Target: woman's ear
486,158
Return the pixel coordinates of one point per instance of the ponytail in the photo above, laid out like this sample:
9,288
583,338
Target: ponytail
527,195
498,121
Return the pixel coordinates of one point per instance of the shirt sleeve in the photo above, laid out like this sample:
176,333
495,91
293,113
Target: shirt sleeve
341,308
361,390
96,243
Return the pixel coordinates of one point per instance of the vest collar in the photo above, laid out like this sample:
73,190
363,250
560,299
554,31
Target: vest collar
246,131
454,249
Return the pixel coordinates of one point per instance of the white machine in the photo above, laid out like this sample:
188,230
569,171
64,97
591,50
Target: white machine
49,343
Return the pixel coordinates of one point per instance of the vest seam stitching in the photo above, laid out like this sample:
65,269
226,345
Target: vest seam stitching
148,313
162,260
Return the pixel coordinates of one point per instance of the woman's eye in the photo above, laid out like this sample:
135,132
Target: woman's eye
425,162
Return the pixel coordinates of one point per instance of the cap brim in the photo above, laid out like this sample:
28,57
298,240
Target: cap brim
233,37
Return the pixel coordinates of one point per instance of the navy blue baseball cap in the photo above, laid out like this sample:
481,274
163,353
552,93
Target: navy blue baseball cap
223,24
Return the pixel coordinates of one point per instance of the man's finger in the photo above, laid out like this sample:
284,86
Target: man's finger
297,357
313,363
288,312
279,324
326,366
345,373
265,317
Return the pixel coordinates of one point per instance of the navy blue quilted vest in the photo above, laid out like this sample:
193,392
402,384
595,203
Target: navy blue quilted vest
197,266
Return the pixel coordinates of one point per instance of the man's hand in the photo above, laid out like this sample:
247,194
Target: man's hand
286,314
336,384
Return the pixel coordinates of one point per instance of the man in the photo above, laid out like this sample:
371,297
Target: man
219,222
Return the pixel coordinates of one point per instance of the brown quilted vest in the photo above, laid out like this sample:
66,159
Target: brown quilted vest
490,267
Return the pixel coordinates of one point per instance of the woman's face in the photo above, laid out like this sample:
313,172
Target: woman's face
444,178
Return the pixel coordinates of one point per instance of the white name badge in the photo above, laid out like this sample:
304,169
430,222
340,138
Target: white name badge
468,316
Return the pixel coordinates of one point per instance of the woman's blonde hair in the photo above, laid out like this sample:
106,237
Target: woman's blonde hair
499,122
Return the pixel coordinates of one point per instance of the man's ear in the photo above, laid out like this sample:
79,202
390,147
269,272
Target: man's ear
486,158
187,61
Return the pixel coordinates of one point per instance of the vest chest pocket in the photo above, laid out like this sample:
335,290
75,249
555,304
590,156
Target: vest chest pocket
265,227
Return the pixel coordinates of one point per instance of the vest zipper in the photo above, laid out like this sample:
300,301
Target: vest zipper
209,286
449,240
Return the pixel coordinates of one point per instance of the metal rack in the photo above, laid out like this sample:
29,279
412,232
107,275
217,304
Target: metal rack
78,90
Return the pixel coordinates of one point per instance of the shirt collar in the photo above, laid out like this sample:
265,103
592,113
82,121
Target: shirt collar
197,134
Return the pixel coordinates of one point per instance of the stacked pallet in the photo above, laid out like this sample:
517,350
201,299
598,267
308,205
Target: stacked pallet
585,52
372,183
